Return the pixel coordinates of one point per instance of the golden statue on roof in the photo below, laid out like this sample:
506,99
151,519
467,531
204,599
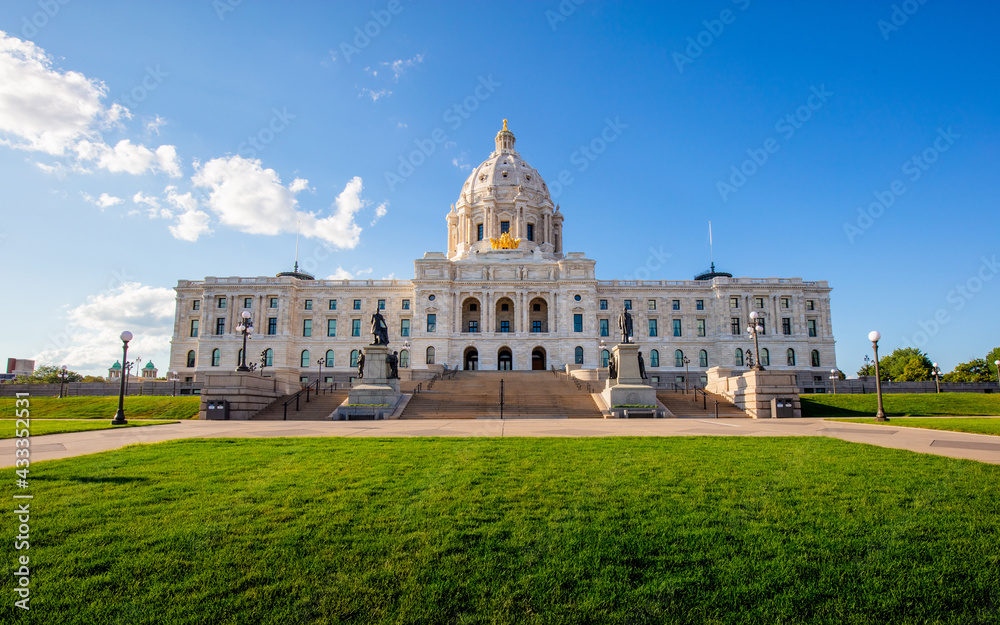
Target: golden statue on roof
505,125
505,242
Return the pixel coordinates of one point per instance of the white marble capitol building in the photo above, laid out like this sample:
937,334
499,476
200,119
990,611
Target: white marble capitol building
504,296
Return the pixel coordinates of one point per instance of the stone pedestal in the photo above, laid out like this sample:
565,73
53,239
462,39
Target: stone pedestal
758,393
375,395
244,393
628,389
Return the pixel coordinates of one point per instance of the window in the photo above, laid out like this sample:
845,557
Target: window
272,325
406,304
355,327
606,356
404,327
810,304
811,324
220,326
381,304
537,307
504,227
701,327
473,307
332,305
604,304
357,304
738,357
577,322
676,304
791,357
309,304
504,307
273,303
247,302
536,325
404,358
765,357
473,325
216,357
814,357
190,358
431,322
699,304
651,304
628,304
759,302
268,357
531,232
354,357
505,326
654,358
734,302
307,327
196,304
702,358
329,358
678,358
220,302
578,355
786,302
735,325
604,327
331,327
479,232
194,327
429,359
304,358
677,327
786,325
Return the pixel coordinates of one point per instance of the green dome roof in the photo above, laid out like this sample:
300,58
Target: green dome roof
117,365
149,365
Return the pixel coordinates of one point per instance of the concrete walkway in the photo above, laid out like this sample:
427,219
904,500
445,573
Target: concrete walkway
979,447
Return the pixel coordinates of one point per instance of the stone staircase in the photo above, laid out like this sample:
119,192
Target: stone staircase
528,394
690,405
318,408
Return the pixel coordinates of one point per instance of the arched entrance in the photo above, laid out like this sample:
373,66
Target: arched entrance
538,359
505,360
471,359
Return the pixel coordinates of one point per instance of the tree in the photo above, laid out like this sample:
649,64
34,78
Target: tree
991,358
902,365
976,370
47,374
914,371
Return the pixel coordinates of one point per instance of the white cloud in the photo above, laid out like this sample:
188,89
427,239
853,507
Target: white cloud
89,342
401,125
57,169
400,66
252,199
154,125
340,274
130,158
380,212
374,95
299,184
461,163
102,202
191,225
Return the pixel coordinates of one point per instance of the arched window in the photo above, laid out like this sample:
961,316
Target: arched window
738,357
578,355
702,358
765,357
654,358
354,358
190,358
791,357
815,358
678,358
268,357
430,356
404,358
216,357
329,358
605,357
304,358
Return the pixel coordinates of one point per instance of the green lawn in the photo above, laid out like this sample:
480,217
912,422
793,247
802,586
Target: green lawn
957,424
105,407
61,426
919,404
519,530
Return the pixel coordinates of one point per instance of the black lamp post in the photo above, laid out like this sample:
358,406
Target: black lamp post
937,377
263,362
119,419
173,378
320,362
62,381
687,372
246,329
874,337
755,328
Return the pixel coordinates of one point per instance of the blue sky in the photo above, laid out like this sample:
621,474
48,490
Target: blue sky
142,143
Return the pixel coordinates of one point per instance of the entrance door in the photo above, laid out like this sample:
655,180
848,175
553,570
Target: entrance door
505,362
538,359
471,359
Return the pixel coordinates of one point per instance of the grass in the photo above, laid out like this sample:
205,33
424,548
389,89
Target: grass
918,404
40,427
154,407
442,531
956,424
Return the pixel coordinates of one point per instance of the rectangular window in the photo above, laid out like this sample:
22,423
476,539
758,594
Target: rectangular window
381,304
651,304
309,304
406,304
307,327
810,304
536,326
652,327
604,304
811,324
220,326
220,302
479,232
357,304
786,325
272,325
504,227
247,302
531,232
431,322
404,327
734,302
196,304
786,302
677,327
759,302
332,305
701,327
736,326
355,327
578,322
194,327
604,327
331,327
473,325
273,303
676,304
505,326
628,304
699,304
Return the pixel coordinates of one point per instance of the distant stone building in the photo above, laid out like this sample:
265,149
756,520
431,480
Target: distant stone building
505,295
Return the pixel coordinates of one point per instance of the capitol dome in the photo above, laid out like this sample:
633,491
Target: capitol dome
505,169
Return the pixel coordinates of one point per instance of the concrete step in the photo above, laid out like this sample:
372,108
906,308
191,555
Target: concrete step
684,405
318,408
